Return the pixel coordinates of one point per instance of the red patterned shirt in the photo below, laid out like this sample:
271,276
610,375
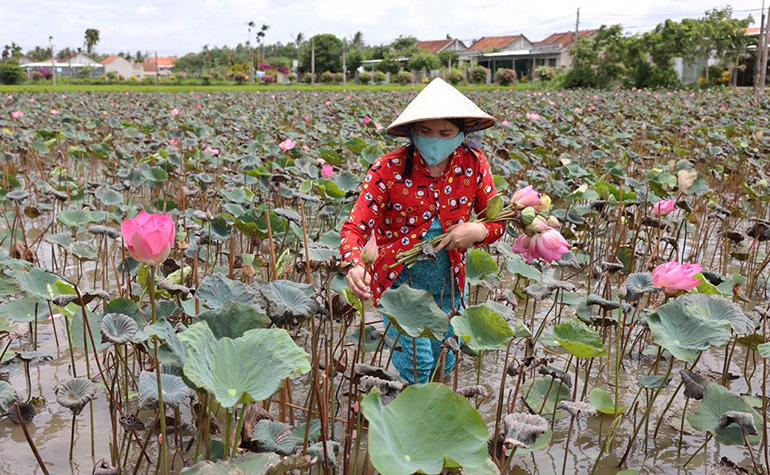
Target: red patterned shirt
399,211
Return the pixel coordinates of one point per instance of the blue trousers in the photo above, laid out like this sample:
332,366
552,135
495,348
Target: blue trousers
428,355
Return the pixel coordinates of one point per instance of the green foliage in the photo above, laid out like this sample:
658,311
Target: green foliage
404,77
11,73
505,76
479,74
328,53
423,60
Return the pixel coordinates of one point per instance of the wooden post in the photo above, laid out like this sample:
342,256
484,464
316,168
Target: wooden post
763,71
312,61
761,47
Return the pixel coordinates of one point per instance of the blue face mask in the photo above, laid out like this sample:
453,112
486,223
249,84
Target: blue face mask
436,150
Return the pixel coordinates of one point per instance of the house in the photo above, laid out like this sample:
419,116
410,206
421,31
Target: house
122,67
71,66
437,46
164,66
561,43
493,44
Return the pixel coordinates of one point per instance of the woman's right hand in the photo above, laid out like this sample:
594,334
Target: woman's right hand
357,284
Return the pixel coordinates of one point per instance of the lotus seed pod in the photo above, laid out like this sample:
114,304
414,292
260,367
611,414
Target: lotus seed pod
528,215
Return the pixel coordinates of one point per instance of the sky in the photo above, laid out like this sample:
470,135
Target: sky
176,27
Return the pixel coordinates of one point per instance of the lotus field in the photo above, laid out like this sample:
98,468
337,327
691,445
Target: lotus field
173,300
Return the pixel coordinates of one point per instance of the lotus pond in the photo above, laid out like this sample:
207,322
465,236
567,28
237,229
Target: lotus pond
588,364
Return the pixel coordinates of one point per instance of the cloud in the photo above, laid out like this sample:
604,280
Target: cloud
147,10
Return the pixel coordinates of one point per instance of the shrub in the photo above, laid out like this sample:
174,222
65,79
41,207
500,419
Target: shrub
404,77
268,79
327,77
46,73
148,80
240,78
206,79
455,76
133,79
426,80
364,78
112,75
479,74
545,73
292,77
307,78
36,76
379,77
338,77
505,76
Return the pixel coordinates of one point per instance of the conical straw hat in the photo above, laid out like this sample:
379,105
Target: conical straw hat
439,100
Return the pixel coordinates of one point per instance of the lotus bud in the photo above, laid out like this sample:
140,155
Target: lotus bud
526,197
545,203
553,222
712,204
528,215
538,225
369,253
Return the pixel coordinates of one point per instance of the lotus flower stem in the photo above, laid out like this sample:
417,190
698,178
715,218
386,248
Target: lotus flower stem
238,429
53,324
499,412
671,399
30,442
304,238
708,437
681,426
228,426
161,406
764,396
272,249
150,428
72,434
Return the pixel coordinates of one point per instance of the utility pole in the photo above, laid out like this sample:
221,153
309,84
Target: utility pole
761,47
577,25
53,60
344,66
157,69
763,72
251,53
312,61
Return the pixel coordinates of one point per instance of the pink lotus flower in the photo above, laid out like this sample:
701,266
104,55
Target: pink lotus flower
287,144
370,251
211,150
533,116
673,276
304,146
578,110
174,112
17,114
199,106
149,237
549,246
526,197
173,141
377,126
307,117
328,102
664,207
539,225
54,112
244,117
327,171
367,120
505,122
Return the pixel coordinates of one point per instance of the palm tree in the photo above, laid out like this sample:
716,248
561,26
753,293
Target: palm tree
357,41
92,38
298,40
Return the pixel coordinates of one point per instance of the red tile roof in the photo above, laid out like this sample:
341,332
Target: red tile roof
148,67
752,31
493,42
168,62
433,46
565,39
109,59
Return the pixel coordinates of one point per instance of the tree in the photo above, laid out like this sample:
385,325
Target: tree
404,45
298,41
11,51
357,41
598,61
445,56
328,53
39,53
423,60
92,38
354,59
389,63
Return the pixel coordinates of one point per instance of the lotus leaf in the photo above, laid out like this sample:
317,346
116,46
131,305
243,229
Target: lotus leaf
542,395
74,218
480,265
522,430
174,390
719,308
75,393
578,409
332,450
652,381
638,284
602,401
80,334
288,301
8,396
234,319
117,328
216,290
414,312
246,464
694,384
518,266
314,432
426,428
245,369
273,436
171,351
716,402
37,283
685,331
27,412
24,310
482,329
580,340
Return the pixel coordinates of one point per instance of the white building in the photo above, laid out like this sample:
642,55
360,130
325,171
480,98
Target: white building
122,67
72,66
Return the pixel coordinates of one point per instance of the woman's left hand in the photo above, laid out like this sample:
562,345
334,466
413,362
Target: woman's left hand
462,236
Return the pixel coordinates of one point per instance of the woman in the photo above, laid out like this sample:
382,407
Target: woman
431,186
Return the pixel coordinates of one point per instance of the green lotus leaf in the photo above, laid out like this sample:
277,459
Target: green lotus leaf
37,283
155,175
288,301
332,450
171,351
175,391
494,205
542,395
8,396
652,381
426,428
8,327
601,400
24,310
246,464
482,328
117,328
246,369
414,312
715,307
216,290
74,218
80,335
638,284
75,393
8,286
62,239
234,319
314,432
520,330
518,266
127,307
108,196
273,436
85,251
479,266
764,350
716,402
579,339
685,330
